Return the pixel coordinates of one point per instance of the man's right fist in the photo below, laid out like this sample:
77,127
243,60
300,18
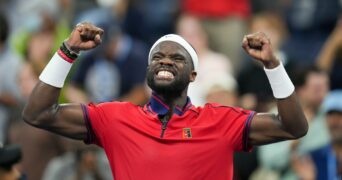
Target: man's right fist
84,36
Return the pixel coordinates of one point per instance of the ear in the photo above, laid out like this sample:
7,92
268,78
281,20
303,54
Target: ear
193,76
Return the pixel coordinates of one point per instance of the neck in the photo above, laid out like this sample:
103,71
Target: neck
174,99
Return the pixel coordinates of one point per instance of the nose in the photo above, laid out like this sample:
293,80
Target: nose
166,61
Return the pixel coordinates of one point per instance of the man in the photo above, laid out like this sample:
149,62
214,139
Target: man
10,97
9,156
168,138
328,159
84,162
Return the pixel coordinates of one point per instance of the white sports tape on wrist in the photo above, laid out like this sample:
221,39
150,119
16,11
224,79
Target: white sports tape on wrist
281,84
56,71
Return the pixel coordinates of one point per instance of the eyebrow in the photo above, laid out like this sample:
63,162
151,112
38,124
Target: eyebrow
158,53
172,55
177,55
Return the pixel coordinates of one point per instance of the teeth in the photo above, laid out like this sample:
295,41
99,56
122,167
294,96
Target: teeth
165,74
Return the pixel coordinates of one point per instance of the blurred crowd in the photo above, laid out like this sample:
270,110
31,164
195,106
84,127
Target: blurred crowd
306,35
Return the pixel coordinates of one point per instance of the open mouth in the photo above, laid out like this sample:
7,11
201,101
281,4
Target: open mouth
165,74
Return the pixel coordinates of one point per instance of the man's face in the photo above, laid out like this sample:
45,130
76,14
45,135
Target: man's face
334,121
170,69
315,89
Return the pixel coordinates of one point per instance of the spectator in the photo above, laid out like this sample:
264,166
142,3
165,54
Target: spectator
9,157
82,163
225,22
147,20
9,69
212,65
39,18
330,57
39,148
328,159
222,90
310,22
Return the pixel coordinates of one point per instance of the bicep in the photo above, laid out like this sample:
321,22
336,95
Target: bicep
66,120
267,128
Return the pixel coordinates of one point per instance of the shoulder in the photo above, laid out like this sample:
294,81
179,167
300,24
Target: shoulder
321,155
220,107
215,109
113,105
321,160
321,152
110,110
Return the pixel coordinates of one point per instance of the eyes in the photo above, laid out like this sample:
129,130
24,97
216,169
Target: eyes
175,57
156,57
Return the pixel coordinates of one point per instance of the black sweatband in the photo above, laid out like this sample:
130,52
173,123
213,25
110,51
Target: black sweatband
69,53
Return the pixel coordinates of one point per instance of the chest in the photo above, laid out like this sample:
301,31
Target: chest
150,139
184,152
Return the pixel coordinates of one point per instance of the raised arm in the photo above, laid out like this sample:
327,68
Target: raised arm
42,109
330,49
290,122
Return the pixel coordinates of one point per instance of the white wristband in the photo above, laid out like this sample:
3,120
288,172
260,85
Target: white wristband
56,71
281,84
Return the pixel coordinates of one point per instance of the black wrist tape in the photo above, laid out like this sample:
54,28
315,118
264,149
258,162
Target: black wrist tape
70,54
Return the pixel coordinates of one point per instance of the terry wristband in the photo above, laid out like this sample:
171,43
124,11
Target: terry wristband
281,84
56,71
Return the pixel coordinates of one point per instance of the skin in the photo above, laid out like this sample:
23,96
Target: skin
43,111
12,174
172,57
334,122
330,49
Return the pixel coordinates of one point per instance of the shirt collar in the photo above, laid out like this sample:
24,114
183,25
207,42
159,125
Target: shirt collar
157,105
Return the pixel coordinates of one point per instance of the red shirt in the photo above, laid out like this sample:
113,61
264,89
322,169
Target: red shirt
198,142
217,8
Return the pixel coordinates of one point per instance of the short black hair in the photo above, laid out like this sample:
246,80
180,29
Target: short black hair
301,74
9,155
4,28
330,112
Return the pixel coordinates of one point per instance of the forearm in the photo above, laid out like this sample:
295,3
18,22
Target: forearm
41,104
291,116
289,123
327,55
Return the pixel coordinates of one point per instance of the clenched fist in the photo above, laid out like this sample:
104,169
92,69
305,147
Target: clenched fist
258,46
84,36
